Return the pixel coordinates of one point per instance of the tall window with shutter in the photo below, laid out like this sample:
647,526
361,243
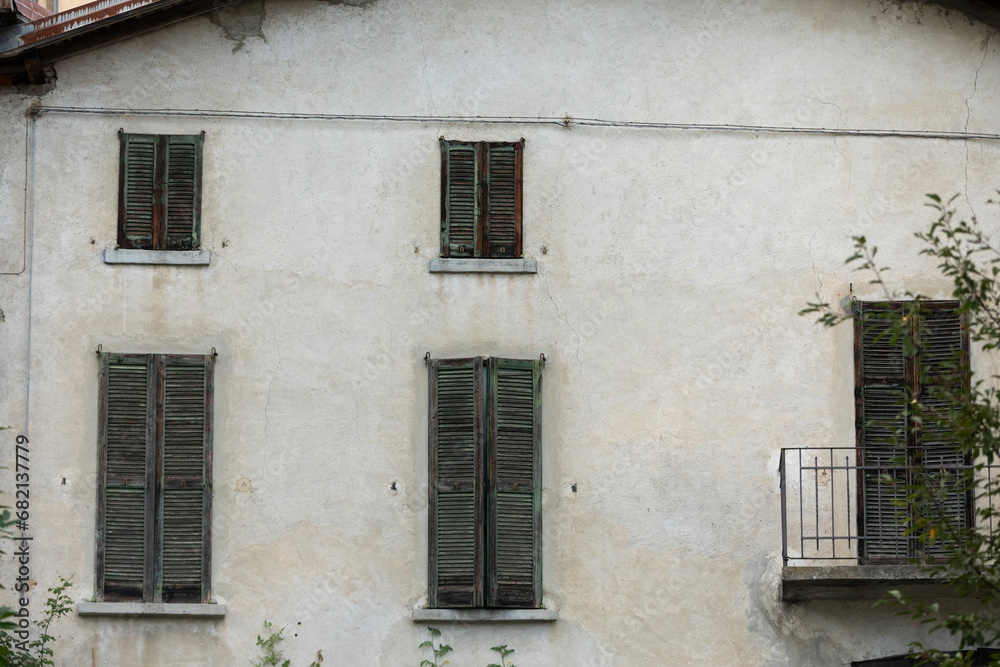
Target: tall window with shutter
485,515
159,203
154,478
481,199
894,446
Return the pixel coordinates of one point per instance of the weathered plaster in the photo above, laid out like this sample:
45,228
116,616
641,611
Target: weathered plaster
241,20
672,265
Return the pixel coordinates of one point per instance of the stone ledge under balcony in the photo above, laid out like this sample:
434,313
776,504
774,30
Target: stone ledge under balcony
859,582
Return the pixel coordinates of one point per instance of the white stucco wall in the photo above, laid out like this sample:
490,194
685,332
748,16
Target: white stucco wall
672,265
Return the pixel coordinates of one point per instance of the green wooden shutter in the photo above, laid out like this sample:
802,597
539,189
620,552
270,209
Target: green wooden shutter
503,200
182,191
125,480
186,483
460,205
455,513
514,497
881,376
943,361
138,207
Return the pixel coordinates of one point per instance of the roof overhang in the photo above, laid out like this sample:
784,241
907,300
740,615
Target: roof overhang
26,50
21,11
986,11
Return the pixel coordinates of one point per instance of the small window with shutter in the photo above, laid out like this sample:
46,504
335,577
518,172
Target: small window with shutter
894,446
159,203
485,517
481,199
154,478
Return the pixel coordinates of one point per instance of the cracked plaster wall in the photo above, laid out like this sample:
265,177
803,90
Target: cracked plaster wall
671,269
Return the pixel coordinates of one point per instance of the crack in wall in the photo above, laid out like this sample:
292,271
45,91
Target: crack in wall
968,117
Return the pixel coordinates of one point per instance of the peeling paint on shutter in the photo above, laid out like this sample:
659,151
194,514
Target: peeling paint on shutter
503,200
455,516
187,383
125,479
881,381
138,192
183,191
514,540
460,205
885,381
944,349
154,482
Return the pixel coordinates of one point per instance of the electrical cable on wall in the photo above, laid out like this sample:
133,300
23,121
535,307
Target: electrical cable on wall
566,122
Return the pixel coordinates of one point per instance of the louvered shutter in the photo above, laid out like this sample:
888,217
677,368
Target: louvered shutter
186,482
455,512
126,497
182,191
460,204
881,381
514,538
943,345
138,207
503,200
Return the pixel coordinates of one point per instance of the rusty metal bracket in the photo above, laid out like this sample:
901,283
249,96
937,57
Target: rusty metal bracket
214,353
100,349
541,358
427,359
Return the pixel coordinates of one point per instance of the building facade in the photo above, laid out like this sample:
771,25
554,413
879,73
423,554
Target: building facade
605,215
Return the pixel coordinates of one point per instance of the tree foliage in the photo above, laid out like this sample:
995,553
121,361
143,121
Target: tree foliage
971,414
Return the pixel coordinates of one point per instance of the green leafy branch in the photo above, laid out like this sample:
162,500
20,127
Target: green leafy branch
439,651
504,652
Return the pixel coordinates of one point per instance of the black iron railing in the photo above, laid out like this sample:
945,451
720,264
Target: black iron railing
848,504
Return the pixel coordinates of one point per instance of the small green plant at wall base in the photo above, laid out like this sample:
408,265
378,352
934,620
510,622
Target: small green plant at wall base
274,656
504,652
39,653
270,646
439,651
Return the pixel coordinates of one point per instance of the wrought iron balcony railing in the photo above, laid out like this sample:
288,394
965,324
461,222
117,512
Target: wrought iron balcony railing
849,505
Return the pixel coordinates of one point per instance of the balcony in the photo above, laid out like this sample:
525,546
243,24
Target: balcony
844,528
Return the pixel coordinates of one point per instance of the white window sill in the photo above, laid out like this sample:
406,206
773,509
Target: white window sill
163,257
470,265
424,614
151,609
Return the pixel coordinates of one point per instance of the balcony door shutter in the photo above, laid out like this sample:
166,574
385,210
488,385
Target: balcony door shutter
943,363
455,517
182,191
138,192
186,482
460,201
514,537
503,199
126,496
881,379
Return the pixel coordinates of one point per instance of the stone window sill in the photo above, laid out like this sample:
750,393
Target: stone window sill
464,265
162,257
424,614
151,609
